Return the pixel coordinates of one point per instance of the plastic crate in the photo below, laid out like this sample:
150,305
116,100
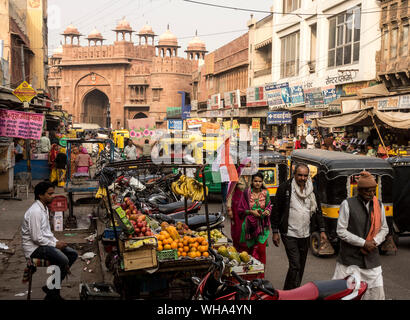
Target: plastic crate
167,255
109,232
59,203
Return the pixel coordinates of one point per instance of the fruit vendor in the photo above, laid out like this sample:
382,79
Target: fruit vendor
255,206
39,242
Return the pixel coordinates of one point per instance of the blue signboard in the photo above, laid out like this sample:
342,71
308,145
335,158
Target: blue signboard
175,124
329,94
297,95
279,117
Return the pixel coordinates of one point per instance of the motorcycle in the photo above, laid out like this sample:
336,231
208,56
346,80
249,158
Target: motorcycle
212,287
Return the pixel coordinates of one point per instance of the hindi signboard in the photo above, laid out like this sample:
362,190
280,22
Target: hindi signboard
329,94
25,92
256,124
175,124
18,124
256,97
307,116
278,95
279,117
314,97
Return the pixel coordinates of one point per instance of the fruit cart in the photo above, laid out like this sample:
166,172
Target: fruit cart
151,259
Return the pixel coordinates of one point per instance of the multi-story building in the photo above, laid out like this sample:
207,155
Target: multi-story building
123,80
222,76
393,60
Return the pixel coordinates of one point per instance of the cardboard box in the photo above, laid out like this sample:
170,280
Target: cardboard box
58,221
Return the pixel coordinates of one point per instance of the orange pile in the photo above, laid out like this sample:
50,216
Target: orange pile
186,246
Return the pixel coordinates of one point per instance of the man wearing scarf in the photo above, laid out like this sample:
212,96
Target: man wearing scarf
362,227
296,206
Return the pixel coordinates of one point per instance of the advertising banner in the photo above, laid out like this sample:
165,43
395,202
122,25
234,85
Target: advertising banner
174,112
279,117
307,116
18,124
232,99
385,103
256,124
175,124
297,96
405,101
314,97
194,123
278,95
329,94
256,97
215,102
186,112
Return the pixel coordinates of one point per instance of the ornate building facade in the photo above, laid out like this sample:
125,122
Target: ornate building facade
124,80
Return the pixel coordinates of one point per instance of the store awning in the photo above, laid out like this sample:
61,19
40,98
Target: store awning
363,117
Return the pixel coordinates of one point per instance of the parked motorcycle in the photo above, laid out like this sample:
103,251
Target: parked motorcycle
213,287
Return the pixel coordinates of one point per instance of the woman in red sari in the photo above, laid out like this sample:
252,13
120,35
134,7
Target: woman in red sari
235,191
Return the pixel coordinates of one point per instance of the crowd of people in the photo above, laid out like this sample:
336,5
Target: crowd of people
295,212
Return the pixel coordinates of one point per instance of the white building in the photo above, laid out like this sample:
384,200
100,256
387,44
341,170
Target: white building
328,42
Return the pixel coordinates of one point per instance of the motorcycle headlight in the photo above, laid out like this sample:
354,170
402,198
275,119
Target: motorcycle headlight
196,280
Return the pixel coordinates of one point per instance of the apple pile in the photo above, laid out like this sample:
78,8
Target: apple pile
137,219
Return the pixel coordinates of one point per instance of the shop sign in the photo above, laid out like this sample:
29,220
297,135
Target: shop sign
186,112
351,89
227,125
314,97
385,103
256,97
279,117
232,99
25,92
256,124
215,102
18,124
175,124
329,94
174,112
308,116
405,101
278,95
194,123
297,95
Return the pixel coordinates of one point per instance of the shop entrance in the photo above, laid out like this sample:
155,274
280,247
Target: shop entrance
95,108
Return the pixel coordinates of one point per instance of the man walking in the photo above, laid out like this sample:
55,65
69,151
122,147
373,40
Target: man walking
296,205
362,227
39,242
45,144
310,141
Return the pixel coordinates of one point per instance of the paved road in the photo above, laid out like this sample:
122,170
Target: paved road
395,267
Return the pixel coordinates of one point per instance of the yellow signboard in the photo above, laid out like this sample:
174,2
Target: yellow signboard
25,92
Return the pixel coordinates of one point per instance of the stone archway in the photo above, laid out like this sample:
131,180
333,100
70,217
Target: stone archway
95,105
140,115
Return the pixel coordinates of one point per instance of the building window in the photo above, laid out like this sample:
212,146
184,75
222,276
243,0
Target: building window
290,55
404,40
393,43
386,44
156,94
344,38
290,5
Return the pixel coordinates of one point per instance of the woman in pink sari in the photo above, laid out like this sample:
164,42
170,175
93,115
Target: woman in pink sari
235,191
83,161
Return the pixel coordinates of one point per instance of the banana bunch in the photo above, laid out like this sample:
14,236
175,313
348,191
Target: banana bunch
189,188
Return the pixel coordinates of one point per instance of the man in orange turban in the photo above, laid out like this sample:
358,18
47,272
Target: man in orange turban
362,227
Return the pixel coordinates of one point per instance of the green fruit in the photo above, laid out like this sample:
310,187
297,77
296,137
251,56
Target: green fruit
232,249
235,256
223,251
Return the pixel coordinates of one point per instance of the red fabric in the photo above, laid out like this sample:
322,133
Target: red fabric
298,144
236,223
258,251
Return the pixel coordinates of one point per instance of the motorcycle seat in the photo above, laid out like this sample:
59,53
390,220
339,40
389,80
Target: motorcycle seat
309,291
173,206
332,288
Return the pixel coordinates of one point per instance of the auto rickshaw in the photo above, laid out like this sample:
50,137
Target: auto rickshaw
274,168
119,137
336,180
401,195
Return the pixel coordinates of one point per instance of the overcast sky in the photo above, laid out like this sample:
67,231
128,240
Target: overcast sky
216,26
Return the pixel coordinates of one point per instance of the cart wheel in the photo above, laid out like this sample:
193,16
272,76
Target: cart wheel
315,243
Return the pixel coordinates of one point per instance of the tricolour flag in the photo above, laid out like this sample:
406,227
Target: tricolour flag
224,164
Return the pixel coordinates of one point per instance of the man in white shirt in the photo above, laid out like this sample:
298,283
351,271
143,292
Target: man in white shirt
45,144
130,151
362,227
297,204
310,141
39,242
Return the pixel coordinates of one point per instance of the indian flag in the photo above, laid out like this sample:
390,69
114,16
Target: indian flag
224,164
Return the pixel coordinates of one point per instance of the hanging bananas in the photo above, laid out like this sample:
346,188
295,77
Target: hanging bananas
189,188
